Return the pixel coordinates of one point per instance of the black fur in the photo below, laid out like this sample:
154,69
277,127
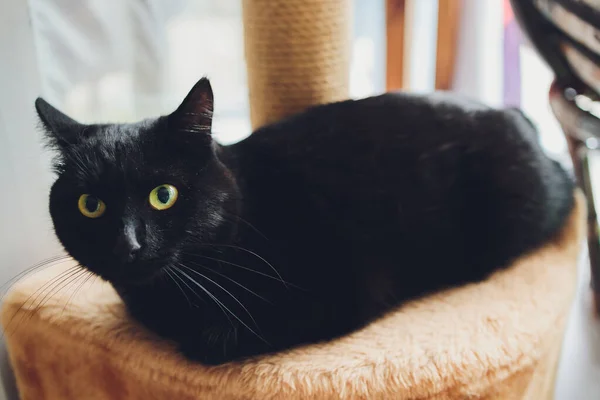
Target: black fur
309,228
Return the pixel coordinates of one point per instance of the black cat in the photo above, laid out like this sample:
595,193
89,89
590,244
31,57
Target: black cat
308,229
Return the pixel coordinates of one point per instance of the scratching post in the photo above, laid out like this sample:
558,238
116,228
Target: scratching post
297,55
496,339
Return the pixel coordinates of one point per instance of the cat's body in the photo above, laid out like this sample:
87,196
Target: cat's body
311,227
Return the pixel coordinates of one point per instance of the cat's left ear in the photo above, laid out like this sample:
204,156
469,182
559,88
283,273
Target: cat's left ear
194,115
61,130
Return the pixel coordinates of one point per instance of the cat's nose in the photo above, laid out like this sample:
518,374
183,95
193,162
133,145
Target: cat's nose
127,247
127,250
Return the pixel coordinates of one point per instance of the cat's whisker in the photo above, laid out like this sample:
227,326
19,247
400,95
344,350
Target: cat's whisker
240,219
286,283
254,254
36,293
87,277
66,282
76,273
47,288
223,289
41,264
231,280
71,158
233,265
39,291
223,305
169,274
185,283
210,295
77,159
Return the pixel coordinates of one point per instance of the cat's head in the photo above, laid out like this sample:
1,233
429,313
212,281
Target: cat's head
130,198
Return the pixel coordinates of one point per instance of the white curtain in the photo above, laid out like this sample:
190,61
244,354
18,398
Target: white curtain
25,231
105,58
65,50
123,60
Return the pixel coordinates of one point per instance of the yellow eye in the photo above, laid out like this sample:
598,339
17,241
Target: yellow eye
163,197
90,206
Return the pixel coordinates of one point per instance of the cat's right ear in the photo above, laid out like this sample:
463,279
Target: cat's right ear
61,130
195,113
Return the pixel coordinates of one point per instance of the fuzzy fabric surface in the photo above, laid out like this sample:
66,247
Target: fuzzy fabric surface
498,339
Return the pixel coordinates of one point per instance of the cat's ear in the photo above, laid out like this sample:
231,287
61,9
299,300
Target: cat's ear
61,130
194,115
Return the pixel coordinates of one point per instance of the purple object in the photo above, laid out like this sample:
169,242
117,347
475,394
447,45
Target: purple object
512,66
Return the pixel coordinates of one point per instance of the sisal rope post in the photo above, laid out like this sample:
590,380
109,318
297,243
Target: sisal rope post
297,55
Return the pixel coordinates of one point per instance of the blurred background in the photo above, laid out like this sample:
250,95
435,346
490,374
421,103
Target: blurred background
123,60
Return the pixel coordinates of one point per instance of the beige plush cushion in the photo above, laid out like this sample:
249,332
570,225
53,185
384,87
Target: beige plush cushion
497,339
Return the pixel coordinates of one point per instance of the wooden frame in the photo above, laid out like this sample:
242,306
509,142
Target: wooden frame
395,26
397,32
447,42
